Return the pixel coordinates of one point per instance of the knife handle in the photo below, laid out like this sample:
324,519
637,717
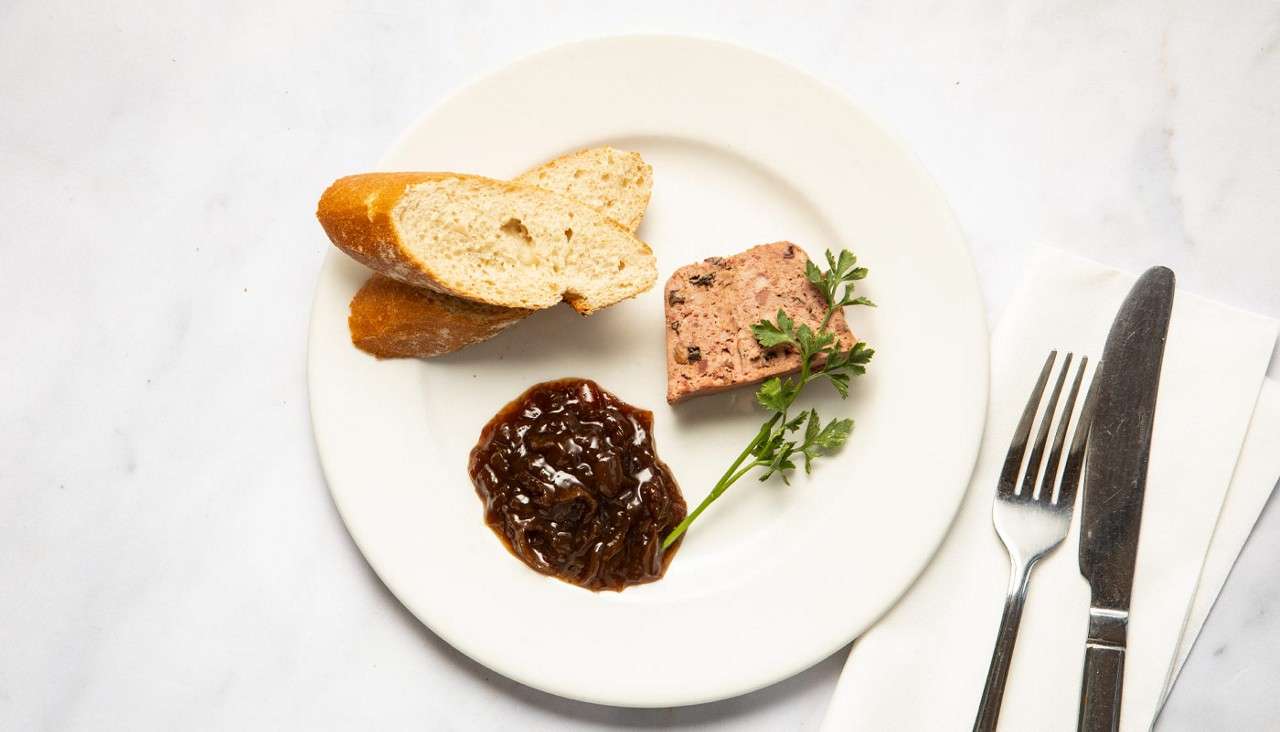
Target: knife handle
1100,690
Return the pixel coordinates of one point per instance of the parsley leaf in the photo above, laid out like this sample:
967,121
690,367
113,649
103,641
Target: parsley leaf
773,395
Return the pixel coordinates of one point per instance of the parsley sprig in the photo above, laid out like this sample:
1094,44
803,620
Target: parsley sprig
780,440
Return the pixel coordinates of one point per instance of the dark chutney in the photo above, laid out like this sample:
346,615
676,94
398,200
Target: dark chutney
572,485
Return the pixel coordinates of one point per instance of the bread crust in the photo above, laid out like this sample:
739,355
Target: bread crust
390,319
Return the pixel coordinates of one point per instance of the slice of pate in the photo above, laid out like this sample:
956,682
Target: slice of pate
711,306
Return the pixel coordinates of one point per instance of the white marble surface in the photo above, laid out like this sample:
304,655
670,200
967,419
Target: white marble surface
168,551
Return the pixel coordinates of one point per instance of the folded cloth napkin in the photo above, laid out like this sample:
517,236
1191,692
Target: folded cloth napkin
922,667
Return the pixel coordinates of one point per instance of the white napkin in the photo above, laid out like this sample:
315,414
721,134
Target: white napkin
923,666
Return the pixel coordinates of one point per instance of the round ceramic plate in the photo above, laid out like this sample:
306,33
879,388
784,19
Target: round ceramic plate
773,578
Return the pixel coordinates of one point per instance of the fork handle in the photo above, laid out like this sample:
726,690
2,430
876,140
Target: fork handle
1002,656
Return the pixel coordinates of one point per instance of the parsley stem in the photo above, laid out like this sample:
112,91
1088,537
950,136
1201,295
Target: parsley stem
725,481
743,471
827,320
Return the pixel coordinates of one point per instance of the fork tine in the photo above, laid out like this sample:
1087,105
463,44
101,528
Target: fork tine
1060,436
1075,456
1042,434
1013,461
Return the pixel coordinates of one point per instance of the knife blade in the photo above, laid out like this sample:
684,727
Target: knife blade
1128,380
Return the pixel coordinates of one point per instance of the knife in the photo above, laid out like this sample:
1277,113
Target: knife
1114,484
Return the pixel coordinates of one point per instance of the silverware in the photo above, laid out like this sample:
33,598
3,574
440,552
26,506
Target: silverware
1114,484
1033,523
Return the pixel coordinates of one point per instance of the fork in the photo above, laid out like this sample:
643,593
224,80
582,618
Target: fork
1033,523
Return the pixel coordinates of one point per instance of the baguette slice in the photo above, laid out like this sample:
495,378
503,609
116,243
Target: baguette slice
486,240
390,319
613,182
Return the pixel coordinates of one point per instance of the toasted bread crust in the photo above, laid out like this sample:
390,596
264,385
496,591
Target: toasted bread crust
390,319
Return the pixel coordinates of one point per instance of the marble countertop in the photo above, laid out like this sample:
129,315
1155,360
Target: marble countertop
170,555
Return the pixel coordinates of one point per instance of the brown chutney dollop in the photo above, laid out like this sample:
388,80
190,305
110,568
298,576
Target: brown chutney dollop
572,485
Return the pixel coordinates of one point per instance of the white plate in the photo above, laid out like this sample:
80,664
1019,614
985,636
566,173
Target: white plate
772,578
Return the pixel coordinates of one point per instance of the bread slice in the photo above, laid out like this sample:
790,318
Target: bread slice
614,182
390,319
486,240
711,306
393,320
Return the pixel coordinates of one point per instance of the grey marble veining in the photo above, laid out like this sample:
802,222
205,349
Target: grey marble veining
168,550
1230,681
